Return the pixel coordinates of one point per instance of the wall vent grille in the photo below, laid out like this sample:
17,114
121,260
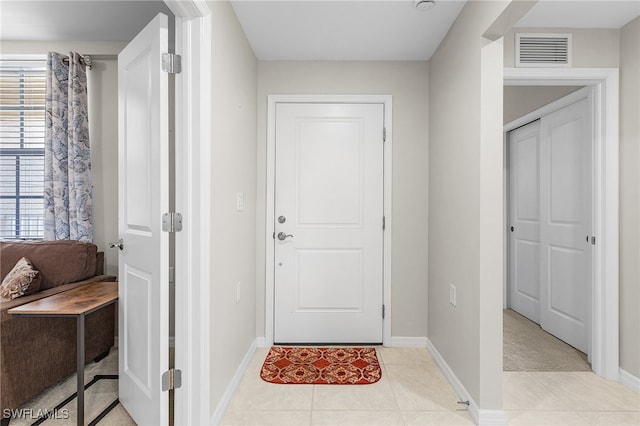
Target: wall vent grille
543,50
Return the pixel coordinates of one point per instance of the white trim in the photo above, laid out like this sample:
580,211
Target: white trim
387,100
220,409
261,342
193,177
604,81
406,342
629,380
480,417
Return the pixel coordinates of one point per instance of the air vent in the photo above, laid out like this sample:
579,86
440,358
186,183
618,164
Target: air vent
543,50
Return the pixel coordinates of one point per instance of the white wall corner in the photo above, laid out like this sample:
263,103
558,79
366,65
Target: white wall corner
407,342
629,380
261,342
480,417
221,408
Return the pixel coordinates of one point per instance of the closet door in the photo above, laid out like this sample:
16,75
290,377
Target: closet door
524,220
565,223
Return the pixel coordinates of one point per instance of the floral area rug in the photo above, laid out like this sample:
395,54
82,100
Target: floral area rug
321,366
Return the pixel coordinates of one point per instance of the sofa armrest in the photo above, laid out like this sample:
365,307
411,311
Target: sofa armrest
100,263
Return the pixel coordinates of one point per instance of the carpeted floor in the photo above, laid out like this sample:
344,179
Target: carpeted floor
527,347
97,398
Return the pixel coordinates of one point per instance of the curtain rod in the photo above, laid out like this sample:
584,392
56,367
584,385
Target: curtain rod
84,59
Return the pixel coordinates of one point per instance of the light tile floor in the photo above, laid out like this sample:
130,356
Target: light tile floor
413,391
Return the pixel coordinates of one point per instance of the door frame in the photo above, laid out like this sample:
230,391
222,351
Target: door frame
272,100
193,201
604,86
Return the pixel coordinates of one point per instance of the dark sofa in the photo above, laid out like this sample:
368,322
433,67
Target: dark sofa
37,352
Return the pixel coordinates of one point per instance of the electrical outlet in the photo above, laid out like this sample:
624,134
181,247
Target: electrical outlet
238,293
452,294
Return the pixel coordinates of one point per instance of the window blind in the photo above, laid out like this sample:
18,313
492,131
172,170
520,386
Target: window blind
22,99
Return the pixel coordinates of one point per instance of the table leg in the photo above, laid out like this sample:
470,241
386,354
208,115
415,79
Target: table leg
80,369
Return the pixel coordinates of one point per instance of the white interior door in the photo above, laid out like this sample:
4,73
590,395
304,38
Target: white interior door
524,220
328,232
143,196
565,225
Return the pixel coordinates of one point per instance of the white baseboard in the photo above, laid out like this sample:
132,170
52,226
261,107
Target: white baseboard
629,380
480,417
261,342
221,408
407,342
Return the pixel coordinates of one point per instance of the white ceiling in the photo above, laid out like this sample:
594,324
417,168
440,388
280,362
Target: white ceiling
76,20
345,30
581,14
301,29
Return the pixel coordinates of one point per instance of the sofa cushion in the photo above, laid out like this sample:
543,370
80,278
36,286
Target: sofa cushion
23,279
59,262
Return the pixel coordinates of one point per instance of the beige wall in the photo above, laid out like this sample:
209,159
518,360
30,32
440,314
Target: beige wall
103,131
465,202
521,100
596,48
233,169
630,197
407,82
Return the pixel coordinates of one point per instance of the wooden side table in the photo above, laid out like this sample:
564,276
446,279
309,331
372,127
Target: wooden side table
77,303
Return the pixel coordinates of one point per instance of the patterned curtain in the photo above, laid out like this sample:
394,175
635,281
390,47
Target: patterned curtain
68,188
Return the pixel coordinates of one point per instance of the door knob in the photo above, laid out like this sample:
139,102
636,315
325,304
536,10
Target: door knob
118,244
282,236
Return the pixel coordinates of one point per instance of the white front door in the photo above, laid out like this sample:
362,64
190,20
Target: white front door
143,196
565,223
524,220
329,223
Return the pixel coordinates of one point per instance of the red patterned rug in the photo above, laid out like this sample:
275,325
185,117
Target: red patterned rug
321,366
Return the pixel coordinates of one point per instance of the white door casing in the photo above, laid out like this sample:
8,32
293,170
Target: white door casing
524,221
143,195
565,224
603,85
329,198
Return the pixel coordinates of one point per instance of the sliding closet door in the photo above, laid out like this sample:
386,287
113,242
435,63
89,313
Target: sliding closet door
524,220
550,202
565,225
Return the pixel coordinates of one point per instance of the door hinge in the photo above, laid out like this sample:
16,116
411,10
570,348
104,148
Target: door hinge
384,223
382,311
171,63
171,379
384,134
593,240
172,222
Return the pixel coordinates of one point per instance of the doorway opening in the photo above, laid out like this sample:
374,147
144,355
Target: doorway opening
550,192
603,87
